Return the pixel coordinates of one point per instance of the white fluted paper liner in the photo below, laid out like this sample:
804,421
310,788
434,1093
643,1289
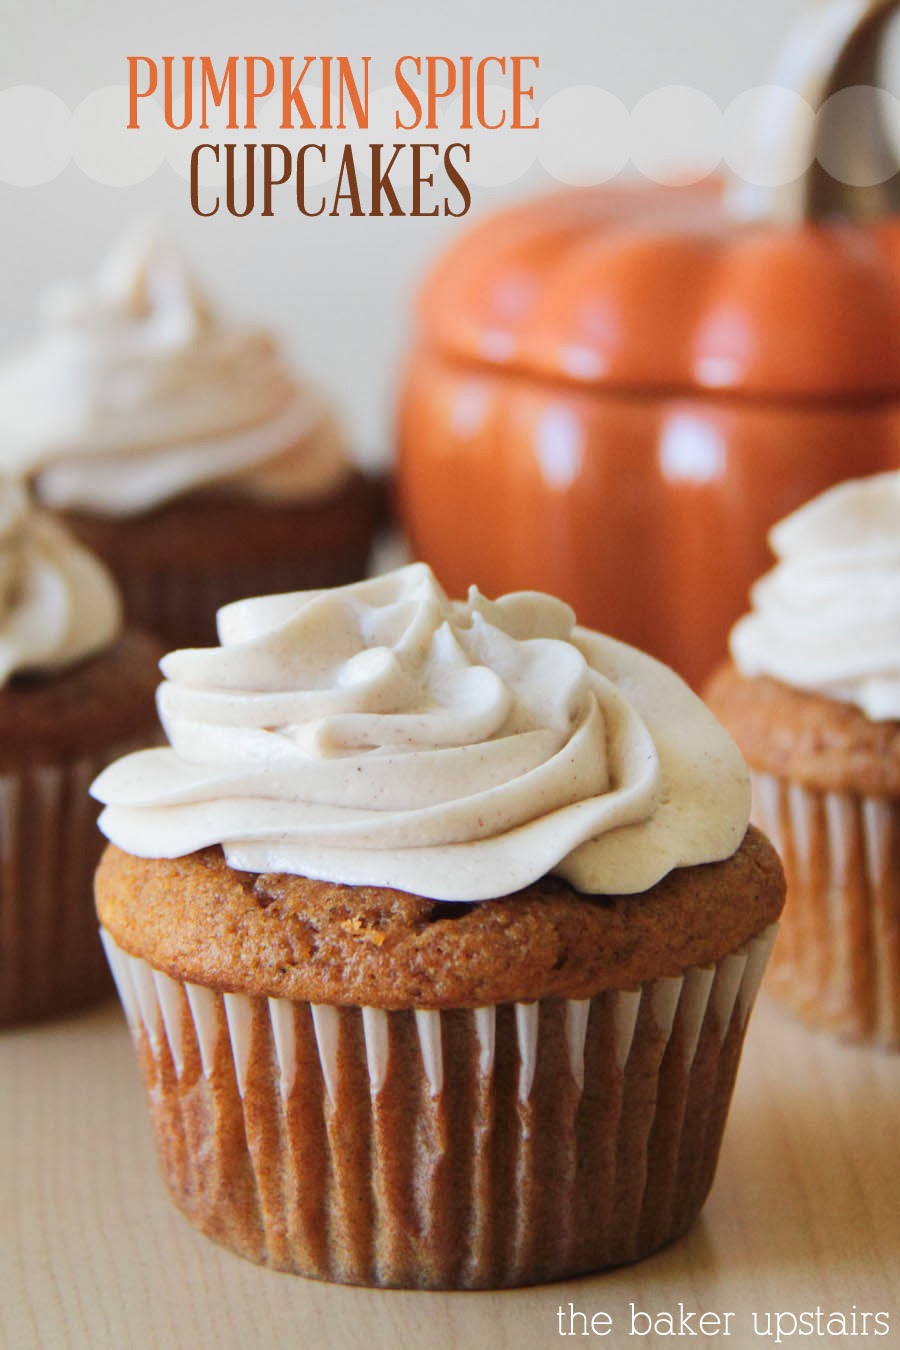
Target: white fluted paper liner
50,959
458,1148
837,961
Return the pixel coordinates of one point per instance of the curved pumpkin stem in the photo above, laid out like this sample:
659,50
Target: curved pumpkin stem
837,47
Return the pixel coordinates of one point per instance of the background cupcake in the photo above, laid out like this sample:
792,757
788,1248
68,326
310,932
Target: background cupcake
180,447
813,700
438,929
75,693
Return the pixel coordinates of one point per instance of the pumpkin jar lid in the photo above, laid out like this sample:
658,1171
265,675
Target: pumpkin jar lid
792,292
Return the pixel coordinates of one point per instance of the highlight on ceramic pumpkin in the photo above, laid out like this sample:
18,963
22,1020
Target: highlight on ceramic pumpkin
615,391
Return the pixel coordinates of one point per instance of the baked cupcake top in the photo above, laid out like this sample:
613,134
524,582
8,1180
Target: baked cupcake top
382,735
136,392
826,619
812,693
282,936
58,603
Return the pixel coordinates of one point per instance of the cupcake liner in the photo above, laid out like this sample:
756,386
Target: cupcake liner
462,1148
837,961
50,959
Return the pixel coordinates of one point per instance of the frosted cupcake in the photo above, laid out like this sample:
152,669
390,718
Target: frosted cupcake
813,699
74,693
180,447
438,928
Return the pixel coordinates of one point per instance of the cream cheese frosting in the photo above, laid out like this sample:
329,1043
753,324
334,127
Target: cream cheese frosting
382,734
136,392
826,618
58,603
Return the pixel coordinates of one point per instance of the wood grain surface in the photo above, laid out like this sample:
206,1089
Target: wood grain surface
804,1214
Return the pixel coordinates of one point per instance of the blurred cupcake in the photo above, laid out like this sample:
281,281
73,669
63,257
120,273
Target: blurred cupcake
438,928
74,693
181,448
813,700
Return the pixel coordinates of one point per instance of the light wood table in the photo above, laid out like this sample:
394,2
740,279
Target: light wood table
805,1213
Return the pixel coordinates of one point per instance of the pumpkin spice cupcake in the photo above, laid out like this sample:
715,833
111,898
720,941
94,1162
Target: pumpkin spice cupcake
813,699
75,691
181,448
438,928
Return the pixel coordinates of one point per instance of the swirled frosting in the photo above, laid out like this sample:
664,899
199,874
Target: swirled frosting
135,392
58,603
827,617
381,734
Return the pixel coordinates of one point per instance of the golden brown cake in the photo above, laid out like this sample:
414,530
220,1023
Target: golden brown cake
820,742
283,936
365,1060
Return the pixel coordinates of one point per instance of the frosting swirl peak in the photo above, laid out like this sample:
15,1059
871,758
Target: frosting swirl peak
382,734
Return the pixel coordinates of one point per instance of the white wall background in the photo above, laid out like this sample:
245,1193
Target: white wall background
337,289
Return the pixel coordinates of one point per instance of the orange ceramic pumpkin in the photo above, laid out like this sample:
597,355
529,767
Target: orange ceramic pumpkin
616,392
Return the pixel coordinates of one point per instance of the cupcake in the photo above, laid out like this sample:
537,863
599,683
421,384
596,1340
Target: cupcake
438,927
181,448
812,697
75,692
